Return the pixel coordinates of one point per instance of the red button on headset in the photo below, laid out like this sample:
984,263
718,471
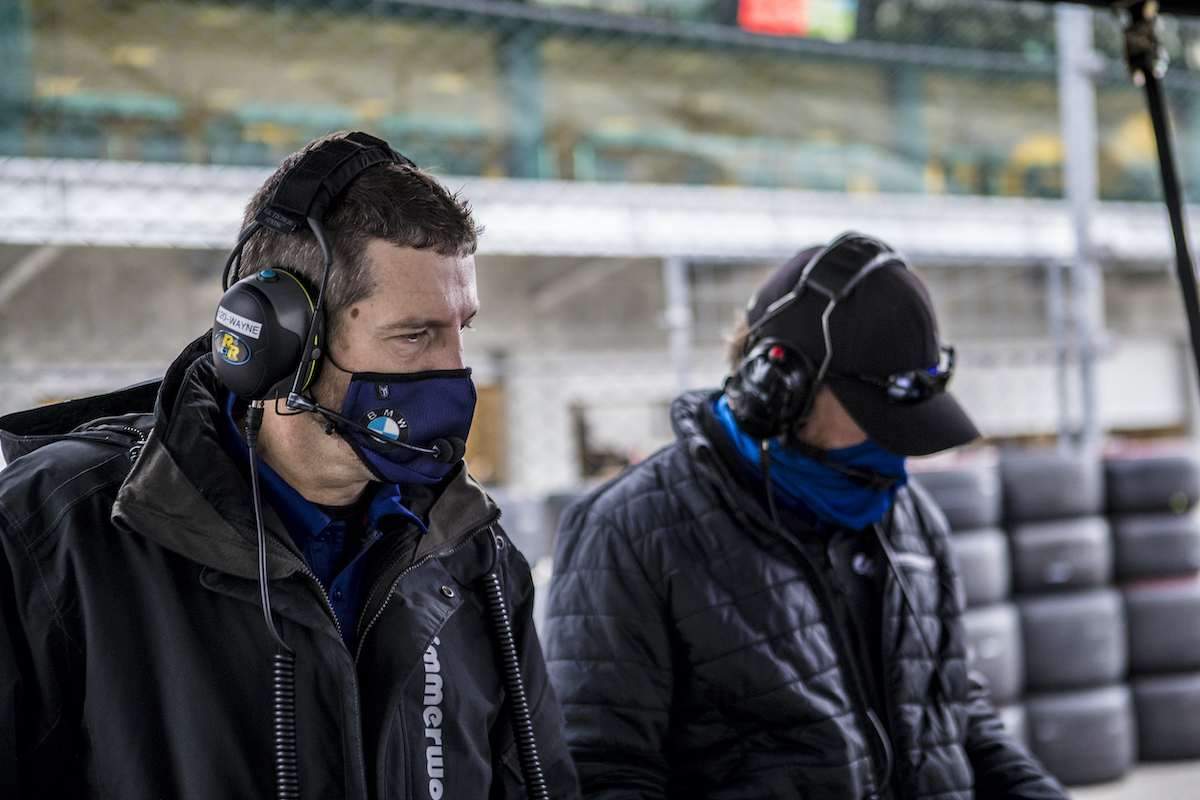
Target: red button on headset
776,353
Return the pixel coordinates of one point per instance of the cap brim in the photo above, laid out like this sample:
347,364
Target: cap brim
938,423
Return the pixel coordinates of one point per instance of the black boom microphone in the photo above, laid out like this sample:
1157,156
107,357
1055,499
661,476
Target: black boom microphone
444,451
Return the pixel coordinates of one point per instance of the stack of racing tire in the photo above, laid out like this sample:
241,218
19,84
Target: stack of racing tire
1156,547
1079,710
970,497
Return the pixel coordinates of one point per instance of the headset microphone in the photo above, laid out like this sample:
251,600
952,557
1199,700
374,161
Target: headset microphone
444,451
450,450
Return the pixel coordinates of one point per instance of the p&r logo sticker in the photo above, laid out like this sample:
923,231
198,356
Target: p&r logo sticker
232,348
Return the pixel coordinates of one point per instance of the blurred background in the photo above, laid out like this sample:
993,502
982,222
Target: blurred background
639,166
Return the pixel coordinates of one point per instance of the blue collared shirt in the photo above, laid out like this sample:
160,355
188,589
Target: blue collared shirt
319,539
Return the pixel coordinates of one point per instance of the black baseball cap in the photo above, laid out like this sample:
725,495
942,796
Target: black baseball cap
883,327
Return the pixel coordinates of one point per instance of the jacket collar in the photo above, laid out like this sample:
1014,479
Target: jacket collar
184,491
120,417
696,428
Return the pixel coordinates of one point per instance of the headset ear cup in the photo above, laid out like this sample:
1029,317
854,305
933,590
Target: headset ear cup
259,332
769,391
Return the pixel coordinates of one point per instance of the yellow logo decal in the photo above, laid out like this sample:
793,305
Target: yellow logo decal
231,348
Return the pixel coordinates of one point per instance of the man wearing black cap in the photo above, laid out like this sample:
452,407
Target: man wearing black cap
766,608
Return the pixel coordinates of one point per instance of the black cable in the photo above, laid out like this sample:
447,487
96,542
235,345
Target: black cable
1185,268
764,459
1147,63
527,754
283,676
902,582
312,348
235,257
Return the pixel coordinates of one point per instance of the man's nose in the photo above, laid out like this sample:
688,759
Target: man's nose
449,354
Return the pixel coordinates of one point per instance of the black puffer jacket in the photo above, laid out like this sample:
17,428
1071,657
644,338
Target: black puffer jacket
134,659
690,642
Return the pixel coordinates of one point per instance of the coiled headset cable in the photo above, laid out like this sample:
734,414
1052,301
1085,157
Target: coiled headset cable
527,753
283,673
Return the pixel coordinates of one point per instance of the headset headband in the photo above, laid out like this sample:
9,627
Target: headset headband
306,191
833,277
304,195
309,188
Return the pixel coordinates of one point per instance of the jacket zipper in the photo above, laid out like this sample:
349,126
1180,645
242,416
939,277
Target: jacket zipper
307,572
362,636
135,449
324,596
857,690
860,682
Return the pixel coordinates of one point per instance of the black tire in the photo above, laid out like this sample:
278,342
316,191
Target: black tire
1164,626
1061,554
1073,640
969,497
1169,483
1039,487
1015,722
1167,708
1084,736
981,557
1155,545
994,650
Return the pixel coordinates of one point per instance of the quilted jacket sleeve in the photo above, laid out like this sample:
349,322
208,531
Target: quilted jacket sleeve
1003,768
608,652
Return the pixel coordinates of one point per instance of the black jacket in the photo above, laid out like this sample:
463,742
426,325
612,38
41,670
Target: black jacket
695,650
135,662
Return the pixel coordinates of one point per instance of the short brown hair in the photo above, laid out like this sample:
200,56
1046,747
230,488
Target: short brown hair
401,205
738,341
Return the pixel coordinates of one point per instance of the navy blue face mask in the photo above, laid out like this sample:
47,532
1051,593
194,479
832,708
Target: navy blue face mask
430,412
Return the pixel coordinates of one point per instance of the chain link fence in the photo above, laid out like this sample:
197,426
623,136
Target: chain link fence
940,96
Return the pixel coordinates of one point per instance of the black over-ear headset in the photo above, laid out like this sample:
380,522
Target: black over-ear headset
775,385
269,331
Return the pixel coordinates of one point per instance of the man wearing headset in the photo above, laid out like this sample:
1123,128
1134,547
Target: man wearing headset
362,630
766,608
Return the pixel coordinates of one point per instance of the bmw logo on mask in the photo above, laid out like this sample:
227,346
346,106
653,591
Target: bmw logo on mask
387,422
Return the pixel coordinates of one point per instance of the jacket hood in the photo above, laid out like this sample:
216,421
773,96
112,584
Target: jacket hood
689,415
695,426
183,491
120,417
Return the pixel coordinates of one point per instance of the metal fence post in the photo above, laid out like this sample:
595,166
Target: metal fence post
678,318
1077,112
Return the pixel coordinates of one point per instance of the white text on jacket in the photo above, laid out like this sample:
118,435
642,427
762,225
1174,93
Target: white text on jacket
432,716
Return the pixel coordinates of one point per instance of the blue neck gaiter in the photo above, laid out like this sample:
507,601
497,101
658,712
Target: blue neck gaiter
832,496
